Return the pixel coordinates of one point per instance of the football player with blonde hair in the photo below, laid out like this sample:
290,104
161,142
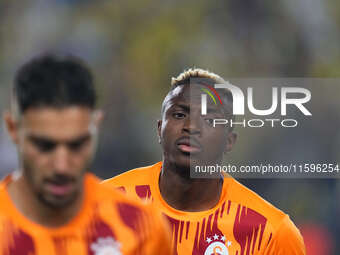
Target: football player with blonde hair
208,215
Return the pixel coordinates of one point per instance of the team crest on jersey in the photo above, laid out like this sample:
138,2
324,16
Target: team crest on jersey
106,246
217,245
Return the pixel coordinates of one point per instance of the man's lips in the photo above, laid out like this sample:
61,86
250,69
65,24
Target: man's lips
188,145
59,189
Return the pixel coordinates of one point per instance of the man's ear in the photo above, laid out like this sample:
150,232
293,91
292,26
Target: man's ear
159,127
98,117
12,126
231,140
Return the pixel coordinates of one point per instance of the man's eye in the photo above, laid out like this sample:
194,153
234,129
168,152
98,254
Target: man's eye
178,115
44,146
75,146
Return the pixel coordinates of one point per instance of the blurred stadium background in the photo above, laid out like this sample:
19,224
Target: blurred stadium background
134,47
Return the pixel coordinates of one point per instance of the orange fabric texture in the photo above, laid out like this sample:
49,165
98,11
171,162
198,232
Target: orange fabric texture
109,223
242,223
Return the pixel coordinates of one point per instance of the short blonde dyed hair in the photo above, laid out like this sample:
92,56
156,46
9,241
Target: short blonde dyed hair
184,77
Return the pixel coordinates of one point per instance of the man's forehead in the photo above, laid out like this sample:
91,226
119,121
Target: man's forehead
54,114
189,94
58,123
185,93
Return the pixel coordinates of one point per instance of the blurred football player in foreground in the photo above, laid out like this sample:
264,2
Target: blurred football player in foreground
208,215
52,205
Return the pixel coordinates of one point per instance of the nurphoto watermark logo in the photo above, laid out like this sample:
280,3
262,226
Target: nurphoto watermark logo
288,97
264,127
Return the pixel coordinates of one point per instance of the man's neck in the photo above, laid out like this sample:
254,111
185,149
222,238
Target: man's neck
188,194
27,203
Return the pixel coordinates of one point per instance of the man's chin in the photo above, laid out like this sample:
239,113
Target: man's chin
57,202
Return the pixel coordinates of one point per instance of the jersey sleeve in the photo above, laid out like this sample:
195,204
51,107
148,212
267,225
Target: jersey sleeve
287,240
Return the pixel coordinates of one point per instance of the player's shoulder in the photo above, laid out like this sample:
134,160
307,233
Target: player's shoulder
4,199
3,184
7,208
128,208
249,199
140,175
105,194
286,237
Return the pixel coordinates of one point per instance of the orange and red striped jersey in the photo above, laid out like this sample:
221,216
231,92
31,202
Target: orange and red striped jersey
109,223
242,223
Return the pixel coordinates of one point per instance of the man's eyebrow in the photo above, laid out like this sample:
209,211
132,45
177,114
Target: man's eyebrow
80,139
185,107
41,139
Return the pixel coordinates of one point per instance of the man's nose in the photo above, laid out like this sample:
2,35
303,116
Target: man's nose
61,160
192,125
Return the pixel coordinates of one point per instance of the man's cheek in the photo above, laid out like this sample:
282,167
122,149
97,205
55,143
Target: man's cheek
80,163
33,154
